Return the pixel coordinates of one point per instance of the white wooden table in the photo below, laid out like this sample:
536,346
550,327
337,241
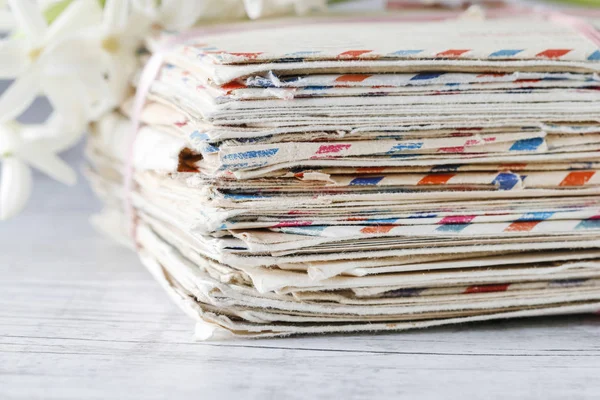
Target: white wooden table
80,318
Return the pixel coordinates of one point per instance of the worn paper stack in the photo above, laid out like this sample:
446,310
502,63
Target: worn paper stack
365,175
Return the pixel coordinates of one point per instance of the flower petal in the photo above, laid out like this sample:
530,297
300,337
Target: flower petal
19,95
68,98
7,22
10,138
79,15
15,187
267,8
14,59
121,69
29,18
115,15
182,14
100,97
50,164
138,26
57,134
145,7
76,54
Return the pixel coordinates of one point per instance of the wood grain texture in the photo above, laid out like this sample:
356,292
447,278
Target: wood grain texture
81,319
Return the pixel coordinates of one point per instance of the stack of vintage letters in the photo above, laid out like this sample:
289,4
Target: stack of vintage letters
365,174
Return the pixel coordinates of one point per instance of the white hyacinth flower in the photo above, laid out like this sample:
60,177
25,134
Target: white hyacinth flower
22,146
38,55
269,8
114,42
6,19
183,14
